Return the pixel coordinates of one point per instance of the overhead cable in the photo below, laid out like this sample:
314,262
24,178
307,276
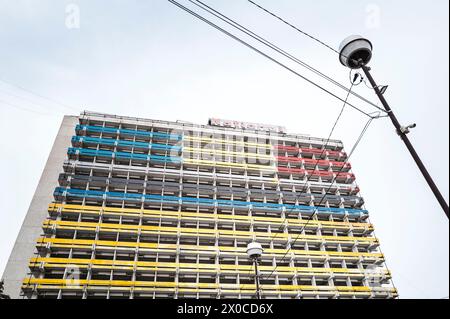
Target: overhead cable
363,132
274,47
294,27
264,54
55,102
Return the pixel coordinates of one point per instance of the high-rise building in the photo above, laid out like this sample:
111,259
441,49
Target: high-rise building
139,208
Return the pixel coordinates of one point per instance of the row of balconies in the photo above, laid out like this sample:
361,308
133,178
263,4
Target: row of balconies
203,178
96,197
204,191
168,128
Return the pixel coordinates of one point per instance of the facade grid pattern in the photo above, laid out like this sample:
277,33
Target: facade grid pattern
154,209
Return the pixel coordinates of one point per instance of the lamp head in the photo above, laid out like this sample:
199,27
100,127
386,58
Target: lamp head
355,51
254,250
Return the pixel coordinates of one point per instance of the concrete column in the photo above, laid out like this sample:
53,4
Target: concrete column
25,246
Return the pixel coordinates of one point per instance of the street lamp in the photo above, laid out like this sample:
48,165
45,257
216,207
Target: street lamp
254,251
356,52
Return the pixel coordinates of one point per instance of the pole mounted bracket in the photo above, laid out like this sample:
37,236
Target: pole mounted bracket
356,52
406,129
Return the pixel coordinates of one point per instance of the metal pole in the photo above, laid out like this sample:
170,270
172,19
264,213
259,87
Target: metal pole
407,142
258,293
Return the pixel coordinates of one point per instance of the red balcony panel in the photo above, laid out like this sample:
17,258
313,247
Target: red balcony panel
289,159
342,175
315,151
286,148
291,170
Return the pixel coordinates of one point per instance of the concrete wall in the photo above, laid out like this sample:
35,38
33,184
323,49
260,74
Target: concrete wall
25,246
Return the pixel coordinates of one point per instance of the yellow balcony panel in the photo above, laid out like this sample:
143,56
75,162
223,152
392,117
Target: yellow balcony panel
225,141
199,232
230,165
203,216
209,151
83,243
154,266
121,283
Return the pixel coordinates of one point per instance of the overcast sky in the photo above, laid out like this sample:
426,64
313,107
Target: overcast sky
150,59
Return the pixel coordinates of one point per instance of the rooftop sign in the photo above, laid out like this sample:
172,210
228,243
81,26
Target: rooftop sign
246,125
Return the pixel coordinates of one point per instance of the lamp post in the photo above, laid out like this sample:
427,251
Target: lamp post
254,251
355,53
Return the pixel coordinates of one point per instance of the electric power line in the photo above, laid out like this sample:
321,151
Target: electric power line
326,192
305,185
309,176
22,98
40,96
315,168
294,27
22,108
245,43
298,74
247,275
269,44
243,29
263,54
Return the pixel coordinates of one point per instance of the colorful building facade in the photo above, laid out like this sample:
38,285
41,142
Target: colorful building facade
140,208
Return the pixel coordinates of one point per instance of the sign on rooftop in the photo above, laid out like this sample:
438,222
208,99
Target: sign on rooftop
246,125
